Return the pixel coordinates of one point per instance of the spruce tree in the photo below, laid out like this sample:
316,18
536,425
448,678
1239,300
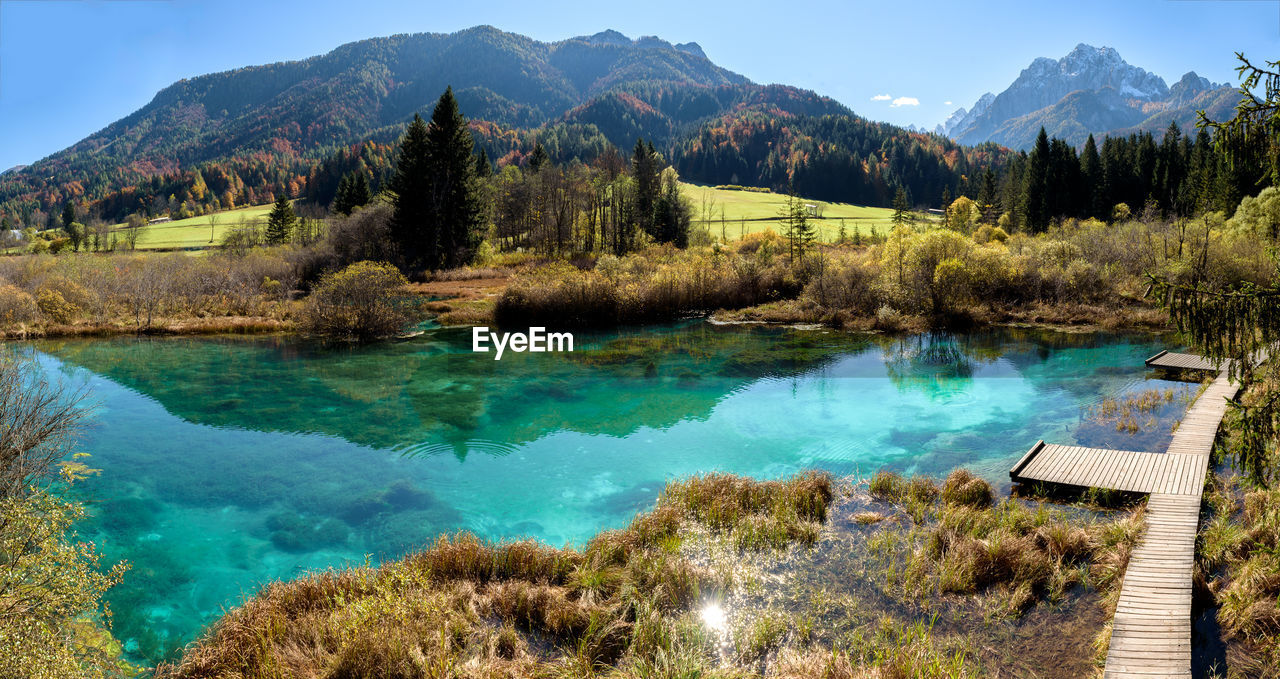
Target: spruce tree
68,215
342,199
411,227
484,169
644,172
538,158
360,194
437,203
988,198
280,220
1035,194
1090,175
901,207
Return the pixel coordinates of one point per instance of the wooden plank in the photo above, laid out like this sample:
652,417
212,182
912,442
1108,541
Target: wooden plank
1022,462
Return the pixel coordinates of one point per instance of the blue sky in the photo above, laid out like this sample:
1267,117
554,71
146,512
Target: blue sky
70,67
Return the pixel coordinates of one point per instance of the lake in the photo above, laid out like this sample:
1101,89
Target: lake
229,462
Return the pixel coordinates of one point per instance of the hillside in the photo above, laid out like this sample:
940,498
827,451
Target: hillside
237,138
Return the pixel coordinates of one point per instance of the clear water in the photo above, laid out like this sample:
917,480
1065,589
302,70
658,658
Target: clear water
227,463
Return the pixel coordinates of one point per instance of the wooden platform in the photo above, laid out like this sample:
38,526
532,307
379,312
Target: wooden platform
1125,470
1170,361
1151,630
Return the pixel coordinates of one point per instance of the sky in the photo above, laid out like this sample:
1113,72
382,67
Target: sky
71,67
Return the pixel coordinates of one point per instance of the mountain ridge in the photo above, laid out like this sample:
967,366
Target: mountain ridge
1091,90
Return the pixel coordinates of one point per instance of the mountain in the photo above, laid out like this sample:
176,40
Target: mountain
361,90
239,137
1092,90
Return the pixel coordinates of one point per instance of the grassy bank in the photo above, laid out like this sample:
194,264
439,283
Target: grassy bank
724,577
1237,570
629,601
69,295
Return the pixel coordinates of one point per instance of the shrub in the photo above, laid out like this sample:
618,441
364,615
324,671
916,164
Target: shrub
358,302
963,488
53,305
17,306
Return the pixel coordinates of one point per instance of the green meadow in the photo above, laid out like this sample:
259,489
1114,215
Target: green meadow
733,213
195,232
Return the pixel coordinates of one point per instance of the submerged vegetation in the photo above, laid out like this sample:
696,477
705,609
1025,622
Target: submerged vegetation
626,602
679,591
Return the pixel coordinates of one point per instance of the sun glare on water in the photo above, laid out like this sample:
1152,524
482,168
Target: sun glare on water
714,617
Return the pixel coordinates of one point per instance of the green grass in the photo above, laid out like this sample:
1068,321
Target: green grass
751,211
194,232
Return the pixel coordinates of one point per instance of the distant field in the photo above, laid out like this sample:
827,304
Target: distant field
744,212
194,232
750,211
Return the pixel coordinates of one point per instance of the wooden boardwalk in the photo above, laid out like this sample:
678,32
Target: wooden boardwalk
1151,630
1170,361
1125,470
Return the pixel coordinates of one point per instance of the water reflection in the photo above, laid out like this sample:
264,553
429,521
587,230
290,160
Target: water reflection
229,462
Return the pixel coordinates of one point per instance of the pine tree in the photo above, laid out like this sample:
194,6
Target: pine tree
342,199
644,171
360,195
538,158
484,169
946,197
280,220
1035,194
437,199
901,207
68,215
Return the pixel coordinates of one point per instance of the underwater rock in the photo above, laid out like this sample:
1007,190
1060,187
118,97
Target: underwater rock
291,532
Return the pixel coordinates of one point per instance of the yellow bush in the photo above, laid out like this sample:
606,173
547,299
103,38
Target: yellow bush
358,302
17,305
53,305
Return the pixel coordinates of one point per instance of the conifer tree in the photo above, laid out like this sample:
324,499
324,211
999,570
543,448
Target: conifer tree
437,203
1035,194
360,194
1090,174
484,169
644,172
411,228
342,199
280,220
538,158
989,198
901,206
68,215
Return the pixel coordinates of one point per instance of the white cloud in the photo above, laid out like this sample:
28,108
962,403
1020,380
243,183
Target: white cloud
881,97
905,101
946,103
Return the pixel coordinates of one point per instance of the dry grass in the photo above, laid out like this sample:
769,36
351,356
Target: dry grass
659,284
963,542
1237,556
465,607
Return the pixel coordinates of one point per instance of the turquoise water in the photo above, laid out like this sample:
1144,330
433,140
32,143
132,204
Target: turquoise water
227,463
